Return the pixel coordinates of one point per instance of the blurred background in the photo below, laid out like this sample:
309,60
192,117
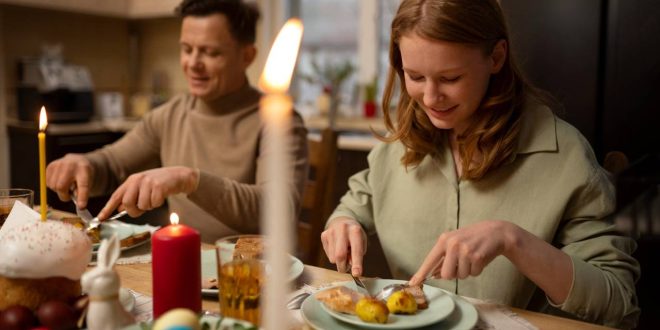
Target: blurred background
118,59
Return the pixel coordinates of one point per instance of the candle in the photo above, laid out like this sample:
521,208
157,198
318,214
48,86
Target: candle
277,210
43,122
176,268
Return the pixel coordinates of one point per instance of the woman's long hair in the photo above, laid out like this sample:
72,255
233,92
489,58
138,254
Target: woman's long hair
493,133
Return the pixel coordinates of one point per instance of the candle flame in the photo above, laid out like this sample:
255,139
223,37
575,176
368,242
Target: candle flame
276,76
43,119
174,219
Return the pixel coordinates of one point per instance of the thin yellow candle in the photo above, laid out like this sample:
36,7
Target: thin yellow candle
277,214
43,122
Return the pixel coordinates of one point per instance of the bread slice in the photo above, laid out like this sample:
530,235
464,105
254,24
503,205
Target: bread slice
340,299
249,248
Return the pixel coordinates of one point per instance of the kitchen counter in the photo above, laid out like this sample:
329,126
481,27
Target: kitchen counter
91,127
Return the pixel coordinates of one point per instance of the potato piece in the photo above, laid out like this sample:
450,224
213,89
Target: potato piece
402,302
372,310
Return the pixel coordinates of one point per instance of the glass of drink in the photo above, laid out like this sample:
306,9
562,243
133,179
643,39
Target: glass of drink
241,275
10,195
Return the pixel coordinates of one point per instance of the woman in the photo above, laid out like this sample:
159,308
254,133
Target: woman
505,200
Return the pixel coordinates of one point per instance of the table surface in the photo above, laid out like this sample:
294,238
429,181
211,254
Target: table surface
138,278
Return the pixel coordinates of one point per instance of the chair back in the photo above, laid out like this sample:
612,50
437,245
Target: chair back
317,196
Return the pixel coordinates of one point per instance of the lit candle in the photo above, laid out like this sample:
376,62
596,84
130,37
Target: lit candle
176,268
277,210
43,122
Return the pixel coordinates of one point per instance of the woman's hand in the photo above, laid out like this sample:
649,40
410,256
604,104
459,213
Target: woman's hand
466,251
147,190
72,170
345,242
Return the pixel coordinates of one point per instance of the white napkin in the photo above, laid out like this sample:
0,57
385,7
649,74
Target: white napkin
20,214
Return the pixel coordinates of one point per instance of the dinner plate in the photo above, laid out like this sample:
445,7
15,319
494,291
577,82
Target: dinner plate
212,322
441,305
210,269
464,315
123,231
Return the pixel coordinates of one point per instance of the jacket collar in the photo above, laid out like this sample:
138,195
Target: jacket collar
538,132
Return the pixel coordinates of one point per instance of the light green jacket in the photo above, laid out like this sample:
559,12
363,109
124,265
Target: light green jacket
554,189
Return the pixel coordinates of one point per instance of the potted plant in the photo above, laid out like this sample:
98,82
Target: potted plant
369,105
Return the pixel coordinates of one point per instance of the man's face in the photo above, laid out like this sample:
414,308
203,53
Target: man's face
213,61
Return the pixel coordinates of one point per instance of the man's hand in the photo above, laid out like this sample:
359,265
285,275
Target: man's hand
68,172
147,190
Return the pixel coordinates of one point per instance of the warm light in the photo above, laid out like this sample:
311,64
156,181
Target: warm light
174,219
276,76
43,120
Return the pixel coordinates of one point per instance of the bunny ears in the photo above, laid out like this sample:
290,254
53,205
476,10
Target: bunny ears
108,252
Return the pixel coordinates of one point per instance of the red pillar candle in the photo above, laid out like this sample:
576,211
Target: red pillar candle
176,268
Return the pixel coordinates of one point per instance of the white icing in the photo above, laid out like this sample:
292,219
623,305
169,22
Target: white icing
44,249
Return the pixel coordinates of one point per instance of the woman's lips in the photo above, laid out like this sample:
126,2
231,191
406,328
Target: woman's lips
442,113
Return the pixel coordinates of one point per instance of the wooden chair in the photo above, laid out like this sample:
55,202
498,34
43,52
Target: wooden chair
317,200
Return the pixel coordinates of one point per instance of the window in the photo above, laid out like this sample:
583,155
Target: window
339,32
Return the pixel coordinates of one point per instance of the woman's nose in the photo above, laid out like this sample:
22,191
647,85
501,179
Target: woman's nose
432,94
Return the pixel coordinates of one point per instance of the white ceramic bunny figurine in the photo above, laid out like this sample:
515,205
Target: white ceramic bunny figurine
102,285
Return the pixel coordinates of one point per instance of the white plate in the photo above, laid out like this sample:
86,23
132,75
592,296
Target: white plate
214,322
464,315
123,230
440,306
210,269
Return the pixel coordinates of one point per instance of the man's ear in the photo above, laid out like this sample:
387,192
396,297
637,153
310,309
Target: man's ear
249,54
498,56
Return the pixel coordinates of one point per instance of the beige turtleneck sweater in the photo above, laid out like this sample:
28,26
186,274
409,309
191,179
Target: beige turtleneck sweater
224,139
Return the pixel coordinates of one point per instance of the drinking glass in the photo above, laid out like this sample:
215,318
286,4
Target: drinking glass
241,275
10,195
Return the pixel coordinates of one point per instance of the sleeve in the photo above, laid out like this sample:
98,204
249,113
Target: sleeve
357,203
136,151
237,204
604,272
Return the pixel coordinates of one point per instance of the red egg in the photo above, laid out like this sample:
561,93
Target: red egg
17,318
57,315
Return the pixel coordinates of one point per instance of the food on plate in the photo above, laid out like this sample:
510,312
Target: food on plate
249,248
94,234
42,261
178,318
420,297
340,299
372,310
402,302
135,239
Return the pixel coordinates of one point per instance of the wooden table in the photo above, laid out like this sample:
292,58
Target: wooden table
138,278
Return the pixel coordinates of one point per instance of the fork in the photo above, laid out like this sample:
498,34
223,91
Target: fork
91,222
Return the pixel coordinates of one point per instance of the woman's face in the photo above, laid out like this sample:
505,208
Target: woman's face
448,80
213,61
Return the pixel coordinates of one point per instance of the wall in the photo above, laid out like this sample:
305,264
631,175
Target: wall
96,42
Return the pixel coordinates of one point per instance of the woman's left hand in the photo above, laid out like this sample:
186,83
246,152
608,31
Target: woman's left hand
466,251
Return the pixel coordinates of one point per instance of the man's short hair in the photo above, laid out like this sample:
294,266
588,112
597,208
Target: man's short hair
242,17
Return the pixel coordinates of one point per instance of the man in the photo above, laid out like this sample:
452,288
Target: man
204,150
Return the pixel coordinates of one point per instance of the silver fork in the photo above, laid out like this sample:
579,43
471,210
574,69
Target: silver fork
90,221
